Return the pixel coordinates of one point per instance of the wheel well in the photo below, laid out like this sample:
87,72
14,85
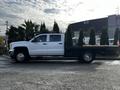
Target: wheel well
24,49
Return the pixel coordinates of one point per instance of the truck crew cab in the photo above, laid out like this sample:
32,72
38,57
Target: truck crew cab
52,44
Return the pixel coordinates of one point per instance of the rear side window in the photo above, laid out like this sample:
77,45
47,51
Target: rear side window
55,38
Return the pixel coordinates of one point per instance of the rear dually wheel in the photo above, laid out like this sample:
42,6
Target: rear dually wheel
88,57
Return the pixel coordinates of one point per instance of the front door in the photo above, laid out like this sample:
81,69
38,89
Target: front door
39,45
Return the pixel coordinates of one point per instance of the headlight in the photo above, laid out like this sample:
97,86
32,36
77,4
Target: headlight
10,45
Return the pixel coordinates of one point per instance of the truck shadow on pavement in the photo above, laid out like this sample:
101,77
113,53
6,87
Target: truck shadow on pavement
53,65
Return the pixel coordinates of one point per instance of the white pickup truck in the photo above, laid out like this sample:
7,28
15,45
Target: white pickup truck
52,44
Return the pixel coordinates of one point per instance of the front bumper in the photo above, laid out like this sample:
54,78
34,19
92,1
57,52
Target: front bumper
11,53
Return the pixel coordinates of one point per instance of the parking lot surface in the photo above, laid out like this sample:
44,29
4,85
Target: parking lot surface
59,75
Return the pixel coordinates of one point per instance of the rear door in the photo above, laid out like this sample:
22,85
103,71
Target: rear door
56,44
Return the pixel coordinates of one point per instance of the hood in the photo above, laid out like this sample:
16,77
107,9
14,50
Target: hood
20,42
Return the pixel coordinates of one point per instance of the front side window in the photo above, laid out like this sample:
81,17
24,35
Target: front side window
42,38
55,38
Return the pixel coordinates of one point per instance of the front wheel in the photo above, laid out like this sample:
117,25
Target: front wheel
88,57
21,56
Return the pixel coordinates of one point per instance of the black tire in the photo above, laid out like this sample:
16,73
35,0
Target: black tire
88,57
21,56
80,58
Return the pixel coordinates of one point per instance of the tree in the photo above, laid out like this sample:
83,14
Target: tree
36,31
56,28
26,31
43,28
29,29
1,41
68,38
81,37
116,36
21,33
92,40
12,34
15,34
104,40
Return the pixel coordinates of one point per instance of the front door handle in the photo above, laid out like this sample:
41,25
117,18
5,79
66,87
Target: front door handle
44,43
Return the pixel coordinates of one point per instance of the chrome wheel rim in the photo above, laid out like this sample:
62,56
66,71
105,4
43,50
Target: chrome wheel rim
20,57
87,57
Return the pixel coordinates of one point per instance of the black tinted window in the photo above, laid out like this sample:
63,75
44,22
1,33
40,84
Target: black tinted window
42,38
54,38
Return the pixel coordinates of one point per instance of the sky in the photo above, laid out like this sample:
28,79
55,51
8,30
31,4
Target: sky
63,12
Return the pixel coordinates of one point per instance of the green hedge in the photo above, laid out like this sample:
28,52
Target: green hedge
3,50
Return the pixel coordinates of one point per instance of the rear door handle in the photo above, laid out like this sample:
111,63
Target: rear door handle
60,43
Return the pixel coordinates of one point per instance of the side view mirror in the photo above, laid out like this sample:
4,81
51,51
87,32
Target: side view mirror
34,40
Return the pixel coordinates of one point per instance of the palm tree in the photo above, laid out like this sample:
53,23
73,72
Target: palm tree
29,29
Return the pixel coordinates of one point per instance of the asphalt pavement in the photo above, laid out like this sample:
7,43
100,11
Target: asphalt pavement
59,75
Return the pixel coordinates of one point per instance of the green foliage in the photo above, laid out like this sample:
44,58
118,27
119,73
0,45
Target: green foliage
81,37
68,38
12,33
29,29
92,40
20,34
15,34
1,41
116,36
26,31
36,29
104,40
56,28
43,28
3,50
